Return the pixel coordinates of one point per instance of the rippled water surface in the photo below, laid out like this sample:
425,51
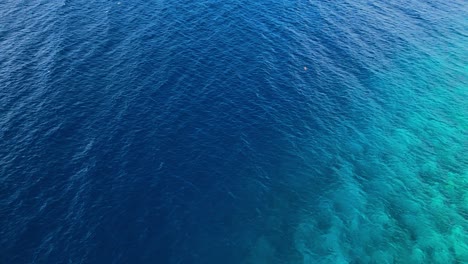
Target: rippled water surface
169,131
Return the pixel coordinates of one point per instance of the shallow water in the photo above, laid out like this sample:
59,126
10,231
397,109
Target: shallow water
210,132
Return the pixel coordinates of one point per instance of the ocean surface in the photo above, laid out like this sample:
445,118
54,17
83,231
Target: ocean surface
256,132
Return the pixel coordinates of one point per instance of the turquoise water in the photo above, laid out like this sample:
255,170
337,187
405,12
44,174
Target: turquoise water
403,198
402,193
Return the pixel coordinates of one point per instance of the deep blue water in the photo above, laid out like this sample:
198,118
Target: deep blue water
234,132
